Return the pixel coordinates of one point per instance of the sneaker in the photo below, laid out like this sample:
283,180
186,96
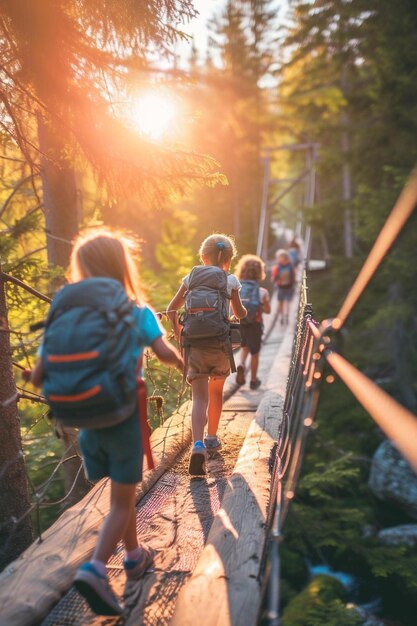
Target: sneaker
136,569
197,466
240,375
212,443
254,384
96,590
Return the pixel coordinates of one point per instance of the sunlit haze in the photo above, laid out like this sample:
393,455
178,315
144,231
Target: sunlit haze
153,114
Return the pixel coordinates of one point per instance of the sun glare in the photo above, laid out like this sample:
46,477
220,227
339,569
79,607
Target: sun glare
153,115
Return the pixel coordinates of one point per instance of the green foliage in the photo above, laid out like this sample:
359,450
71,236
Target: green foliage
329,479
333,506
168,385
43,451
321,603
235,116
175,252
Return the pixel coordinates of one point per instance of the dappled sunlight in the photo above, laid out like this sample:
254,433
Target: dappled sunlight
227,523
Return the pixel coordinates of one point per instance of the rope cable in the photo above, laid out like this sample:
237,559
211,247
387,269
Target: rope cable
402,210
397,422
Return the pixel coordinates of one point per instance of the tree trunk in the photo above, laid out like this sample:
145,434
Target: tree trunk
346,173
60,196
346,193
400,350
236,201
14,493
61,208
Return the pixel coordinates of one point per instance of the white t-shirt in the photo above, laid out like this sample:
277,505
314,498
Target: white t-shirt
232,283
263,294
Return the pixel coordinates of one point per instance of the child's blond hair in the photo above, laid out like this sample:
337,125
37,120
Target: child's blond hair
250,267
282,252
218,249
107,253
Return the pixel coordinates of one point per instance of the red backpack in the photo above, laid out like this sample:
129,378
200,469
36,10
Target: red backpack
283,275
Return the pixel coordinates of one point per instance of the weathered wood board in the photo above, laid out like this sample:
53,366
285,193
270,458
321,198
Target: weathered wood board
226,573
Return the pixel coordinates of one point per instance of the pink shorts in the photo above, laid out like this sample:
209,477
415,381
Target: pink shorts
208,362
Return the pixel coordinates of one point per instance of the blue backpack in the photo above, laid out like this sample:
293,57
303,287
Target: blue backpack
89,354
251,300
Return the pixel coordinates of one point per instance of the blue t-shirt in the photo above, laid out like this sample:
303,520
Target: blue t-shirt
149,328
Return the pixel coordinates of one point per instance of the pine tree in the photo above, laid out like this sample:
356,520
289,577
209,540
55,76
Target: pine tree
319,83
62,64
373,41
233,102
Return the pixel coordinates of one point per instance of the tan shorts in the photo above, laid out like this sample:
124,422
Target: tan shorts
211,362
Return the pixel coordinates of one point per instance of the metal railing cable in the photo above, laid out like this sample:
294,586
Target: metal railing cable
397,422
288,456
312,348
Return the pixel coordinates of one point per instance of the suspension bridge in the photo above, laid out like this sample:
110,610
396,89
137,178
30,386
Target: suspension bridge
217,538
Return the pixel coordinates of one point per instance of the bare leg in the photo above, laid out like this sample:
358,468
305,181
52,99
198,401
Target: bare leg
244,355
130,538
117,521
199,388
215,404
254,362
285,312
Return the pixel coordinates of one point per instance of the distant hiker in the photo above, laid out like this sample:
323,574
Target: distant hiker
207,292
250,270
284,277
295,253
96,331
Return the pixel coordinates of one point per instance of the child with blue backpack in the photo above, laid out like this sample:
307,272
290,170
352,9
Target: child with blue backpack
250,270
294,252
95,334
207,292
283,276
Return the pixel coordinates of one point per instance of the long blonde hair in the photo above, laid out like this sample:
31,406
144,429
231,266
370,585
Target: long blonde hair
107,253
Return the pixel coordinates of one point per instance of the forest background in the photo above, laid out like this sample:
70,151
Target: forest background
339,73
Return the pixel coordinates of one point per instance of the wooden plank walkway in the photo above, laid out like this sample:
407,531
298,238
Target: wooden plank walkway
207,531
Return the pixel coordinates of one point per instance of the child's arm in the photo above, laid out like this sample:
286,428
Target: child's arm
266,303
34,375
175,304
167,354
237,307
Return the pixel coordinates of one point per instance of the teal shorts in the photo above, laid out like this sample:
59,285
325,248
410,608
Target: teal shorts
115,452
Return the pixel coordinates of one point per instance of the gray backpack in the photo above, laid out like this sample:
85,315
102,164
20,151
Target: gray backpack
206,318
